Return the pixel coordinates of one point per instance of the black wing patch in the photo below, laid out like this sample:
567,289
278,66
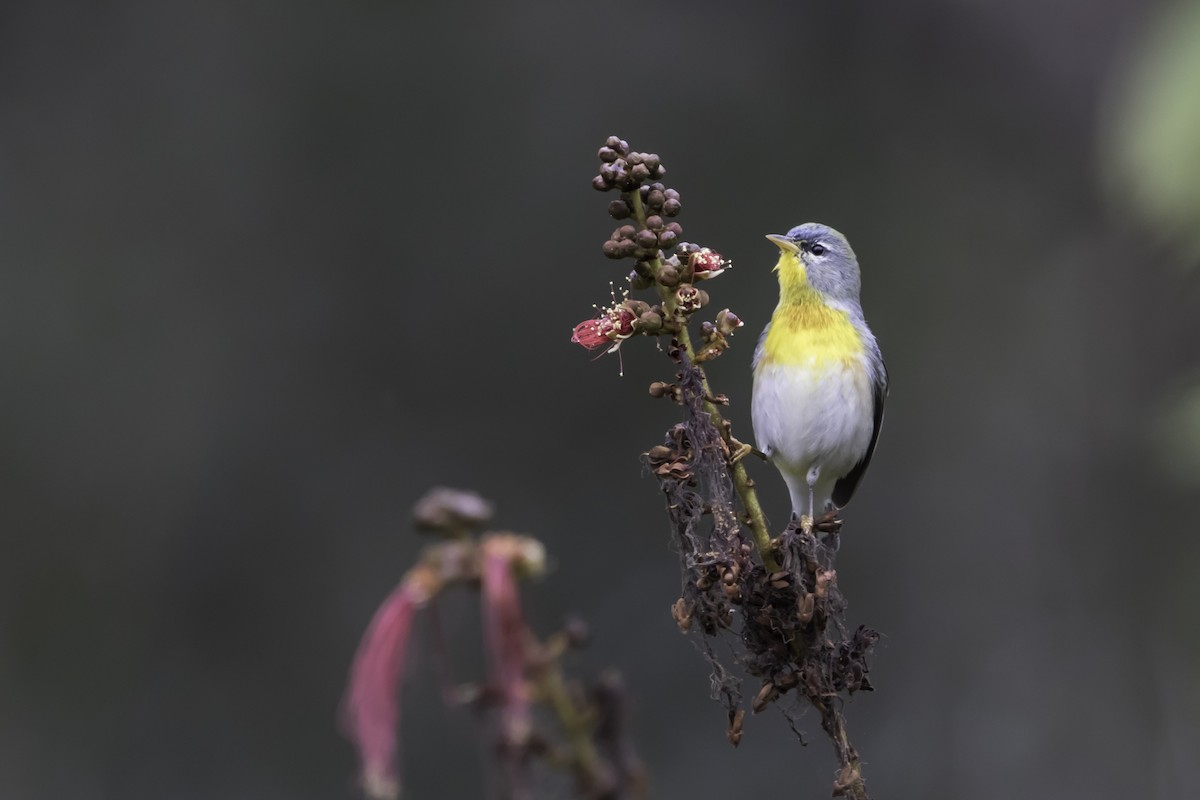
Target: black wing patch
843,490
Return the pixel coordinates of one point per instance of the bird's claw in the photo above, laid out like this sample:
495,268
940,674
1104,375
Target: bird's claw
740,450
828,522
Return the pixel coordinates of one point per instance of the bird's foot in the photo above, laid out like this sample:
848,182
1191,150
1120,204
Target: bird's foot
806,524
828,522
739,450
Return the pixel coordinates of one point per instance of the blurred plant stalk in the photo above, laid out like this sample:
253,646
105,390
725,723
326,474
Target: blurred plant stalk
525,684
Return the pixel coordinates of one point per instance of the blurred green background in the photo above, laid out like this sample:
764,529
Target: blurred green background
273,269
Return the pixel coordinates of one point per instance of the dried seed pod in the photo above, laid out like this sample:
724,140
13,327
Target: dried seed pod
805,608
682,612
766,695
736,718
785,680
826,578
659,389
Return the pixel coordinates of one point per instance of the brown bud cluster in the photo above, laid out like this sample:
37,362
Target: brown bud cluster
621,168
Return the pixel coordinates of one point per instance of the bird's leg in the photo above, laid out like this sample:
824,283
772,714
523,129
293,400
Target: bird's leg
806,521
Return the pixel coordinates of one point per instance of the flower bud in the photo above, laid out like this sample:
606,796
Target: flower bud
612,249
675,228
668,275
607,154
658,389
624,232
646,239
618,209
639,172
728,322
666,239
600,184
671,208
654,222
635,306
650,322
655,198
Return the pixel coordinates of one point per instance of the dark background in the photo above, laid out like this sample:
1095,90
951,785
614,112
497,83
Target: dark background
274,269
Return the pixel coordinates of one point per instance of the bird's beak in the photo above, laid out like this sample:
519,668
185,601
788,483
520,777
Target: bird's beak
785,244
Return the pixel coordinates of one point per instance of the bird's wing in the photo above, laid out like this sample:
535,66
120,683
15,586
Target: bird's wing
843,490
758,348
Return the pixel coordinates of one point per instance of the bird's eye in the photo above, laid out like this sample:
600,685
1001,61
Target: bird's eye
817,250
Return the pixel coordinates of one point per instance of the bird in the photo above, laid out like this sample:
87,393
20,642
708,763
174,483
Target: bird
819,378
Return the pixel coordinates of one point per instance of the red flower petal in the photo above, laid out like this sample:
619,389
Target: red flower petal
593,333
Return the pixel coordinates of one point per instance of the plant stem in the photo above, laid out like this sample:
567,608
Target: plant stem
741,479
574,722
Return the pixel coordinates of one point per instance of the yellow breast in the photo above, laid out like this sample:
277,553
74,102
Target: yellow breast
810,333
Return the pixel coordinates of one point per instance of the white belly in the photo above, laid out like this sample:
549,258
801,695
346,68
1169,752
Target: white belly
808,417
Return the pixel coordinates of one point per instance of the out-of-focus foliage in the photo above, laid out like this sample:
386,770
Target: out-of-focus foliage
1177,437
1154,136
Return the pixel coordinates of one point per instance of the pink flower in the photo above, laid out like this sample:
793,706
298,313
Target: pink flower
371,706
507,637
706,264
613,326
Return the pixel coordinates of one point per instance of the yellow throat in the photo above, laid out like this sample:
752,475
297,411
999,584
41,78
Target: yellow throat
804,329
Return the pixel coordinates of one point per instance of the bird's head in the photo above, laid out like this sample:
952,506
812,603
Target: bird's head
816,256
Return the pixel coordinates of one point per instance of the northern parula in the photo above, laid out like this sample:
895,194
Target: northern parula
819,378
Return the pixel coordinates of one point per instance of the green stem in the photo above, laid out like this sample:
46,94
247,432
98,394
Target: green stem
741,479
574,723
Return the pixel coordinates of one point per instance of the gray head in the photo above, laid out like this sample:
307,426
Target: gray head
829,264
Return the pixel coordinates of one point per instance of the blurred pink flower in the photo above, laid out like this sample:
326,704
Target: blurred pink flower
371,706
507,637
